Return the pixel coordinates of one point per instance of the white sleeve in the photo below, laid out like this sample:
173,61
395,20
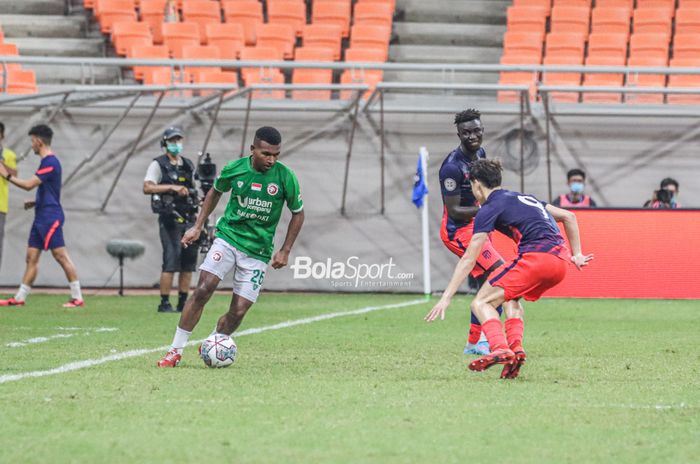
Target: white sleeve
154,173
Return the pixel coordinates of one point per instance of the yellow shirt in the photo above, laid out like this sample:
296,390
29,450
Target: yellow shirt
10,160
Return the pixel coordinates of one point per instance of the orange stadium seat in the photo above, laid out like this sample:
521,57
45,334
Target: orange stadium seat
199,52
150,52
652,20
312,76
325,35
163,75
668,5
262,75
20,81
688,21
520,19
566,44
570,19
607,79
649,45
153,13
614,45
522,42
227,37
209,76
202,12
629,4
371,77
373,13
288,12
337,13
112,11
686,46
518,77
562,78
8,49
576,3
127,34
97,7
545,5
279,36
177,36
369,36
646,80
688,3
684,80
616,20
391,3
247,13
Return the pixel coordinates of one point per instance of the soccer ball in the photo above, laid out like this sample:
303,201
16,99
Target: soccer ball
218,351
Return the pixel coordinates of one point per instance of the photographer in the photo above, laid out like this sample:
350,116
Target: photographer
170,182
666,197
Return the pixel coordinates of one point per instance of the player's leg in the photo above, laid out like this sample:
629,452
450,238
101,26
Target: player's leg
188,263
484,306
60,254
170,244
229,322
514,335
30,272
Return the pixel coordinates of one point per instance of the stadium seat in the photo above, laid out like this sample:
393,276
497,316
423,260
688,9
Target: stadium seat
278,36
369,36
519,19
177,36
201,12
688,3
199,52
288,12
19,81
522,42
247,13
629,4
97,4
164,75
8,49
684,80
518,77
668,5
112,11
153,13
614,45
611,20
652,20
325,35
371,77
688,21
545,5
570,19
575,3
562,78
126,34
312,76
686,46
227,37
208,76
378,14
147,52
262,75
646,80
649,44
337,13
565,44
391,3
607,79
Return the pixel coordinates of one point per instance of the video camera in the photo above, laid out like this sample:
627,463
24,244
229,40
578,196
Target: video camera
206,175
664,197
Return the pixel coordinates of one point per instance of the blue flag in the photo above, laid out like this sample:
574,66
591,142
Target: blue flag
420,188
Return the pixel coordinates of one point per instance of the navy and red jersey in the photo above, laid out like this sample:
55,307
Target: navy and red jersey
48,195
454,180
522,218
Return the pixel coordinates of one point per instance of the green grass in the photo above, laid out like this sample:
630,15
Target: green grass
606,381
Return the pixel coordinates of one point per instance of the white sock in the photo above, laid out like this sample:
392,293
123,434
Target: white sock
75,292
180,339
482,338
23,292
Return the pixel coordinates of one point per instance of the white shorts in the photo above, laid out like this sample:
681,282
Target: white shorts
248,273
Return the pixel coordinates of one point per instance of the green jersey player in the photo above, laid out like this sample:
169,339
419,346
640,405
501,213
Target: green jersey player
259,187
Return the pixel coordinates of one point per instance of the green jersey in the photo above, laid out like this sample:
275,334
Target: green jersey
255,205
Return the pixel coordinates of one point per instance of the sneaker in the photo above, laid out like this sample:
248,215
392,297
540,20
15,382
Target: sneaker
480,348
503,356
11,302
166,308
74,303
172,359
511,371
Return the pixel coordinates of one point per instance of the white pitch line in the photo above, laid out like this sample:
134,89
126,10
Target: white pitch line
77,365
32,341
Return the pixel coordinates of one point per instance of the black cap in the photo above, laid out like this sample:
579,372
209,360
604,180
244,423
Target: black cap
171,132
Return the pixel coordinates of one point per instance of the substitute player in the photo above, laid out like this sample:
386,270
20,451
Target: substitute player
47,229
540,265
460,207
259,186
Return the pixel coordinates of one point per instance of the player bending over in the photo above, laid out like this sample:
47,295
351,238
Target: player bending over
540,265
259,186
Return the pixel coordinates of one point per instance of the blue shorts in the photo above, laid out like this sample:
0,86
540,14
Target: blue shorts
46,234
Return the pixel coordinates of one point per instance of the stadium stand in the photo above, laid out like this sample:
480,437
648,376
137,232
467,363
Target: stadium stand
227,37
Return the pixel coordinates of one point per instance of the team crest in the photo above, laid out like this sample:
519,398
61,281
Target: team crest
272,189
217,256
450,184
240,184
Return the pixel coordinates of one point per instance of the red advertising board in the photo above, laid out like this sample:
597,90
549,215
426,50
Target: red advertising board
638,254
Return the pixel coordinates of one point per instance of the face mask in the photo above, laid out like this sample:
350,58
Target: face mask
174,148
576,187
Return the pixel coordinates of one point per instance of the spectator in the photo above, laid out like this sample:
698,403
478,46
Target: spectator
576,179
9,160
666,196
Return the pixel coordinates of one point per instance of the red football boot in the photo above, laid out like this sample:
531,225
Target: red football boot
511,371
11,302
502,356
74,303
172,359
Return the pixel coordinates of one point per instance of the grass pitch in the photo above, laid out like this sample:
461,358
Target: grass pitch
606,381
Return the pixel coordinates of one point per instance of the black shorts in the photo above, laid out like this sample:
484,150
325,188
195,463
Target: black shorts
176,258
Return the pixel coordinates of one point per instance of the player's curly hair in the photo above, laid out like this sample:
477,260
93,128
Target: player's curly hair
268,134
467,115
487,171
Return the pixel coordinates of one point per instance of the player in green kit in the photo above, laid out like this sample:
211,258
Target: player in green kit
260,186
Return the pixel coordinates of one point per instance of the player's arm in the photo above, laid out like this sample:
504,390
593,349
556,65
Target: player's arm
282,256
462,270
571,226
459,213
450,178
210,201
10,170
25,184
